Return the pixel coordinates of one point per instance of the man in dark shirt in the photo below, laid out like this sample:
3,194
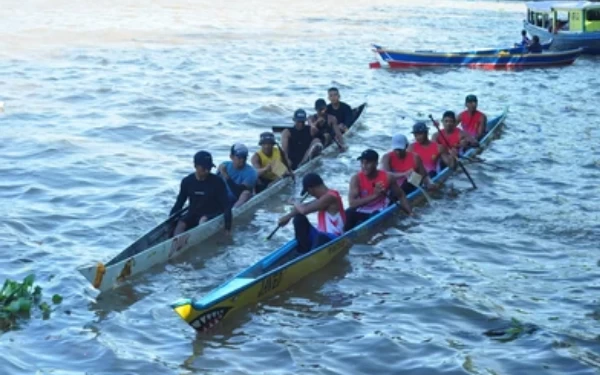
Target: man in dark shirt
298,143
342,111
207,195
324,126
535,46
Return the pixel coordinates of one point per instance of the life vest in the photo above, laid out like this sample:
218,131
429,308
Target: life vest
332,223
453,139
470,122
278,169
367,187
429,155
402,165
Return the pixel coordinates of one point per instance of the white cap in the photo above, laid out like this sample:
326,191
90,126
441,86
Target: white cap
399,142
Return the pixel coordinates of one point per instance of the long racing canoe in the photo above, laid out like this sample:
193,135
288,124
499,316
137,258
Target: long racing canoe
284,267
156,246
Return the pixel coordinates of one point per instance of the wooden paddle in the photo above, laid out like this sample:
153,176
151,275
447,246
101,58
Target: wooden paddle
284,160
437,126
279,226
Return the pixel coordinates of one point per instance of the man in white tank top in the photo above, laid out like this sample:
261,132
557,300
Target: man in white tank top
329,207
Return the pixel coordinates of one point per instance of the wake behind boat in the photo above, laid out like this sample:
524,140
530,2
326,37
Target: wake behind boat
284,267
157,247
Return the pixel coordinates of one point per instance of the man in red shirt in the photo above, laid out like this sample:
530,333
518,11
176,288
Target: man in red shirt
472,121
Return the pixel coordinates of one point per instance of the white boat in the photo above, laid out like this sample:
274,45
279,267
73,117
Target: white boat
156,246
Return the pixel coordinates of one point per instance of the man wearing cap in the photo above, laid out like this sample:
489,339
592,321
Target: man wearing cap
206,193
269,162
369,190
400,163
298,143
453,138
324,126
429,152
340,110
240,178
473,121
330,215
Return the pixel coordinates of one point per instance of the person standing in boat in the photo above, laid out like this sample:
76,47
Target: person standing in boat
240,178
269,162
206,193
472,120
340,110
370,189
324,126
535,46
458,140
400,164
298,143
431,153
331,216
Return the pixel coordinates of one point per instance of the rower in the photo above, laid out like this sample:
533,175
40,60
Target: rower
342,111
458,140
472,121
324,125
429,152
369,190
400,164
240,178
330,215
269,163
298,143
206,193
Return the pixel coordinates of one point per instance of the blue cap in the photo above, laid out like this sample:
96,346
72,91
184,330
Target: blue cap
240,150
300,115
203,159
420,127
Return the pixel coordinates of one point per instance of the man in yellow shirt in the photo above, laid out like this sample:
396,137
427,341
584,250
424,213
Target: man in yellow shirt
270,162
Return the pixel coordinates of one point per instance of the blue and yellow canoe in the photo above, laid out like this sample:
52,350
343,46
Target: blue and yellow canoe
284,267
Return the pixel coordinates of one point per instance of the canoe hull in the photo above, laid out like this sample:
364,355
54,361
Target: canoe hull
273,274
141,256
493,61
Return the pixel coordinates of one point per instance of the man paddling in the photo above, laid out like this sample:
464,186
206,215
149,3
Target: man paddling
400,164
342,111
471,120
429,152
324,126
330,215
240,178
298,142
458,141
206,193
270,162
369,191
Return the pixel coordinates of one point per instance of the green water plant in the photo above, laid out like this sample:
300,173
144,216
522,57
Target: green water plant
18,299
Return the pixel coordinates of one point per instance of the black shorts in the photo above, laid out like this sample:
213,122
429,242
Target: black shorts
192,219
407,187
262,184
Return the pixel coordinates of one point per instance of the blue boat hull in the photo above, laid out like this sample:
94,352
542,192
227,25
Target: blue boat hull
409,59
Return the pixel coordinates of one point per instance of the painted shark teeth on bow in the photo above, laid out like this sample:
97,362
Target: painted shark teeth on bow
209,319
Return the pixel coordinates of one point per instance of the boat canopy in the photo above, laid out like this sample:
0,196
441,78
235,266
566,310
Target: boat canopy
550,6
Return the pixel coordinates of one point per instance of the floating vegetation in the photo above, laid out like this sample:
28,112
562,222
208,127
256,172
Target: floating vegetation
18,299
516,330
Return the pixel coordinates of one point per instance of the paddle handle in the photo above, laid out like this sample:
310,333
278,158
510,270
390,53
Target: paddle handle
284,160
437,126
279,226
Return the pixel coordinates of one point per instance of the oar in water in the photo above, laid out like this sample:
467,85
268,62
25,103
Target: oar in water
437,126
415,180
279,226
475,159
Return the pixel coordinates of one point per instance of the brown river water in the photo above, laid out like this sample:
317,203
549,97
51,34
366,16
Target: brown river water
106,102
